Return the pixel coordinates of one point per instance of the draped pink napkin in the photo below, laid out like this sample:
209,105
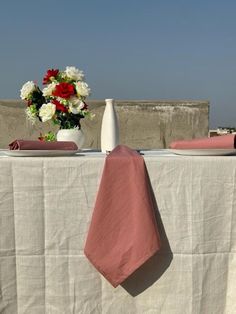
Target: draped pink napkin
216,142
40,145
123,232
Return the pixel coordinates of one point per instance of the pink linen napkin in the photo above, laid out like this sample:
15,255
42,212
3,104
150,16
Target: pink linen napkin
39,145
123,232
216,142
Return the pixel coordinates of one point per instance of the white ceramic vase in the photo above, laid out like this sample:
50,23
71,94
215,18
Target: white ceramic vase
74,135
110,127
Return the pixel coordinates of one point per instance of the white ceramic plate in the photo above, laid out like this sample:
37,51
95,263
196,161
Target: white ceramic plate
38,153
203,152
149,151
154,152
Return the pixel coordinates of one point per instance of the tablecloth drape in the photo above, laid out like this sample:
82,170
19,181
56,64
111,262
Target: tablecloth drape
45,208
123,232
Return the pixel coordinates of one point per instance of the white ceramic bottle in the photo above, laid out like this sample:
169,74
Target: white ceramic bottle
110,127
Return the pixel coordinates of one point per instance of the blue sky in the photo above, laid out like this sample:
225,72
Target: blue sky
152,49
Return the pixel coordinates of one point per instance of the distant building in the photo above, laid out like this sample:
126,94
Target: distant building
221,131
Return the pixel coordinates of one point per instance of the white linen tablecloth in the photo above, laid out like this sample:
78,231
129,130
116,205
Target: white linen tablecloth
45,208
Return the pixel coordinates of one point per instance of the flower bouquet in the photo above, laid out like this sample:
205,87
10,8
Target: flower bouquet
62,100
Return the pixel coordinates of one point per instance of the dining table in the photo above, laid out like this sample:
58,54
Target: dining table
46,205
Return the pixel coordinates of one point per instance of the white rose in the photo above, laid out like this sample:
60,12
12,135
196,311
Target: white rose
47,111
74,73
27,89
47,91
75,105
82,89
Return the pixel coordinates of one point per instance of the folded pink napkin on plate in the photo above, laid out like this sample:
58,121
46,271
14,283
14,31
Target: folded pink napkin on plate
123,232
216,142
39,145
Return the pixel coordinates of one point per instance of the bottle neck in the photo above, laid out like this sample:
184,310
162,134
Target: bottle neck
109,101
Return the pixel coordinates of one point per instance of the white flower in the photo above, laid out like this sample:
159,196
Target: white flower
74,74
47,111
82,89
75,105
47,91
74,100
27,89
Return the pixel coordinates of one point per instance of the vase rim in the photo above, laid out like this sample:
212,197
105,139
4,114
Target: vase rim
69,130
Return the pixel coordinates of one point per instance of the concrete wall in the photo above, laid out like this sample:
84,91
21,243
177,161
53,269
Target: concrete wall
143,124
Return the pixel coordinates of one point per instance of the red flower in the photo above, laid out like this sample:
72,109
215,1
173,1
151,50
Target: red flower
85,106
64,90
49,74
41,137
59,106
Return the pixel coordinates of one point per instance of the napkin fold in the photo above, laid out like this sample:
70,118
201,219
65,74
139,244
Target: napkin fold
40,145
215,142
123,232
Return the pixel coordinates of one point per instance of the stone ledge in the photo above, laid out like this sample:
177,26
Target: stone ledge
143,123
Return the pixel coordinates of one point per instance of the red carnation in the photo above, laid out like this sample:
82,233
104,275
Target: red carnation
59,106
29,103
64,90
49,74
41,137
85,106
